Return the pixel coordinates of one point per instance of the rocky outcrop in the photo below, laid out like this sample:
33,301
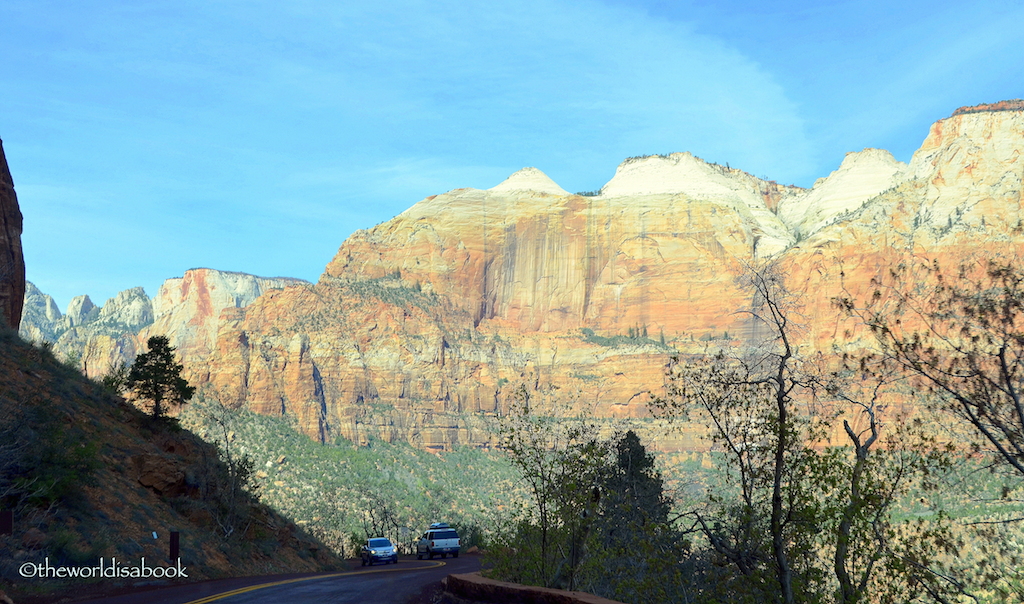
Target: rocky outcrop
862,176
423,327
164,474
40,319
529,179
186,309
99,338
131,308
12,261
81,310
1010,105
684,175
961,198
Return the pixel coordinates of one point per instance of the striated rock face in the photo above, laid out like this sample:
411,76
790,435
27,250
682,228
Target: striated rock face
186,309
548,262
425,326
12,261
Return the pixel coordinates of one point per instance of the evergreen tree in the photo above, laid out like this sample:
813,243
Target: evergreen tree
634,488
156,376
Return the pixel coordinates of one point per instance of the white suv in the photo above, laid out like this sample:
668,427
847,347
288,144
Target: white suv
439,539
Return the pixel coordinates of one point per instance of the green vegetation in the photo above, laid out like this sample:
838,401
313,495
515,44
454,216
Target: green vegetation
44,456
599,519
71,459
393,290
340,490
156,376
635,335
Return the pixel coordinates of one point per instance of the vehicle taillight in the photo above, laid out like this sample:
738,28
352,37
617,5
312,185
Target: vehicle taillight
431,544
458,541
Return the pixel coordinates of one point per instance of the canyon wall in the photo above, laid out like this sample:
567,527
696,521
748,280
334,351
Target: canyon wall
426,327
186,309
12,261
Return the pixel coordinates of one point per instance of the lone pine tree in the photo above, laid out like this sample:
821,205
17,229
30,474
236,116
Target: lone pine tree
156,376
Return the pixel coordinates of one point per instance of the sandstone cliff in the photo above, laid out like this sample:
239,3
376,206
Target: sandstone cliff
551,262
424,326
12,262
186,309
961,198
862,176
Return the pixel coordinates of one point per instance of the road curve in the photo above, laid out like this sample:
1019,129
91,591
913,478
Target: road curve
380,583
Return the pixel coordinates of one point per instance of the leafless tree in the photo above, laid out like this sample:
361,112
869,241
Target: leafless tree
961,338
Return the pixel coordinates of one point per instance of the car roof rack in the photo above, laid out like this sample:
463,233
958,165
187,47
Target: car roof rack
438,525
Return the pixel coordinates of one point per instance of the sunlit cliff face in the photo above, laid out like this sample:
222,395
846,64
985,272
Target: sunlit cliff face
424,326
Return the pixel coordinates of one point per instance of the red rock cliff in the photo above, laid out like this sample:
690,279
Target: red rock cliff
12,262
422,327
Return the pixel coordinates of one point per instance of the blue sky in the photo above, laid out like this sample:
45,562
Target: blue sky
146,138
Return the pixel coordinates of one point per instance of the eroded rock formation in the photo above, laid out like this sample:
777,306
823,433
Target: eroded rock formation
12,261
186,310
426,327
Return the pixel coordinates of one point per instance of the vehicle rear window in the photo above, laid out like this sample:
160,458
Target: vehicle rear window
446,535
379,543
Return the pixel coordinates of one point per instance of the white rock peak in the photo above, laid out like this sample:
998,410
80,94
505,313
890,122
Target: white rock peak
668,174
529,179
861,176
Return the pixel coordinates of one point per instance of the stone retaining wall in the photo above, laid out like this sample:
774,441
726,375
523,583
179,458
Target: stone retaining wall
472,586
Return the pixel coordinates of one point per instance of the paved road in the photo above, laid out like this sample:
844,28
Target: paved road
391,583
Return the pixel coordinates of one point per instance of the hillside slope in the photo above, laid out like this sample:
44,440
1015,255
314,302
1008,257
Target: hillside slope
89,476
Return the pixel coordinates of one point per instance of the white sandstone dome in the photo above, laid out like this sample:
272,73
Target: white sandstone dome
529,179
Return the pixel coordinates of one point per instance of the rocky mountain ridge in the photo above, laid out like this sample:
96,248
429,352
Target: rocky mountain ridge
580,292
185,309
424,327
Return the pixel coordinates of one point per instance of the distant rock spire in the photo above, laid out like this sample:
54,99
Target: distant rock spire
12,261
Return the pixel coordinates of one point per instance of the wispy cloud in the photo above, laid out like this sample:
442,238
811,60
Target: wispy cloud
255,135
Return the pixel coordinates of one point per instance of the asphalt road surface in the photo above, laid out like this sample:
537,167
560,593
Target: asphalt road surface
386,583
